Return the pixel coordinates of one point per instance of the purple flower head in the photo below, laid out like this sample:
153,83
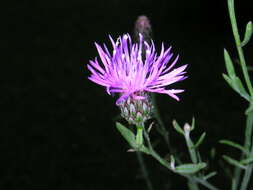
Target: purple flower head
129,71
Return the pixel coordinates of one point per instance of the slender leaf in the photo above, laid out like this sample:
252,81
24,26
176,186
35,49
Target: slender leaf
201,138
193,124
127,134
190,168
235,145
177,127
206,177
235,83
228,80
229,64
247,161
234,162
232,79
248,33
130,138
199,157
238,86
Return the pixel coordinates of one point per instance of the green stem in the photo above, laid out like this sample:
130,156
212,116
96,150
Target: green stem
192,185
205,183
246,177
190,146
248,144
190,178
248,132
166,164
139,136
236,179
238,45
139,142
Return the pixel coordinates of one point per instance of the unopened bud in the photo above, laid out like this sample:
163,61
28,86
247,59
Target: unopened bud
187,129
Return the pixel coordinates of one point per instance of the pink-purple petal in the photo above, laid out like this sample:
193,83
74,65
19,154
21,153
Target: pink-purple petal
126,71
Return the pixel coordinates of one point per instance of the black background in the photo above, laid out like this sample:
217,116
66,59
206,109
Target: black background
57,129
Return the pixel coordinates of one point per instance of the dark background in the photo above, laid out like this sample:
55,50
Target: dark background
57,129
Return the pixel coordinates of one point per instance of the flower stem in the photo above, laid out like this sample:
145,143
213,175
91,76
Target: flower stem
139,136
190,146
139,142
248,131
247,145
235,180
192,184
231,9
246,177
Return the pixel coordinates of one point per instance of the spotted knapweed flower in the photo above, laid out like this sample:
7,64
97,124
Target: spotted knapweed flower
133,74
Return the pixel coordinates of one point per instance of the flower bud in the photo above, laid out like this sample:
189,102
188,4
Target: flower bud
137,110
187,130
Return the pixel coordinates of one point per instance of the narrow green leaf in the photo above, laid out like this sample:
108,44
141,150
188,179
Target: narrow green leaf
127,134
229,64
228,80
238,87
199,156
234,162
190,168
235,83
130,138
206,177
193,124
177,127
247,161
248,33
235,145
201,138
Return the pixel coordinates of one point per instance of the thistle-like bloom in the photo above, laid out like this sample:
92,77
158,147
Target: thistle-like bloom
131,72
